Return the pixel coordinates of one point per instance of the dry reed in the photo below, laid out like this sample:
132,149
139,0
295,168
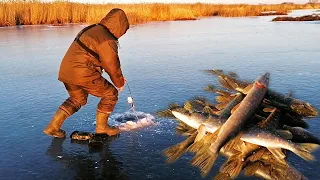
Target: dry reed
31,12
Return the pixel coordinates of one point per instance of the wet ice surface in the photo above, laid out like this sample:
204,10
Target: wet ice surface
131,120
163,63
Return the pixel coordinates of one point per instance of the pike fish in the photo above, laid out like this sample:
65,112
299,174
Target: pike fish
265,138
233,125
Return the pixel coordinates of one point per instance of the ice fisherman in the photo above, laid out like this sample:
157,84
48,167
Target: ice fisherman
94,49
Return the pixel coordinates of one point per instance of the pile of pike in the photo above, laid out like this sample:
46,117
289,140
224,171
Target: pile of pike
251,125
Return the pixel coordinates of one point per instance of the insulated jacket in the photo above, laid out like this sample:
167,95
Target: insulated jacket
79,67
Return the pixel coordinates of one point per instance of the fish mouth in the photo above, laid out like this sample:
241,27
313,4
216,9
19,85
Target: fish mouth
313,111
260,85
263,81
305,109
266,75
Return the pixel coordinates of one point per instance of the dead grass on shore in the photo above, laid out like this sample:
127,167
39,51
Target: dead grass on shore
18,12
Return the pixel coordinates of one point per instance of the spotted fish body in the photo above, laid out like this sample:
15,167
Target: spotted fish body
243,113
195,119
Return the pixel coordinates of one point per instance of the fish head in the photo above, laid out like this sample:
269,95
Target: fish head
192,119
304,108
181,114
262,81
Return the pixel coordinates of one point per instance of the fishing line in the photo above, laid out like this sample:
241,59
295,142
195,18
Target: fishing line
131,102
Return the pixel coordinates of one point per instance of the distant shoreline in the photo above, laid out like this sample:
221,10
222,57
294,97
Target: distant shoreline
59,13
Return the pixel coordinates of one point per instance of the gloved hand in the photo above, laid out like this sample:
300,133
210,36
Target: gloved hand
122,88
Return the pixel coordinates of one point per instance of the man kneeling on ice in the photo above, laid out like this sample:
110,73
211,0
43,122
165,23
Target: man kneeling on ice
95,48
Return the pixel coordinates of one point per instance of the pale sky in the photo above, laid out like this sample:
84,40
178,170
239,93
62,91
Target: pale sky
194,1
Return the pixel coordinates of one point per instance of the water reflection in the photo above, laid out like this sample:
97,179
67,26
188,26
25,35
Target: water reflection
88,166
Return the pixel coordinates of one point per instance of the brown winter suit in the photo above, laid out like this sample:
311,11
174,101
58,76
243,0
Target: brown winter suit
81,72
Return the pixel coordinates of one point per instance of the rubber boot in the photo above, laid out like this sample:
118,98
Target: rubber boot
53,128
102,126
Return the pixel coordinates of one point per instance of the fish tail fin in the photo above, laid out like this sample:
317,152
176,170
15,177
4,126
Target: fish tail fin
174,152
232,143
305,149
252,168
277,152
198,141
204,161
256,155
205,158
196,146
199,145
234,165
306,155
309,147
222,176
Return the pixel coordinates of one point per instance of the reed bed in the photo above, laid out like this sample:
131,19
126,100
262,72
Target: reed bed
32,12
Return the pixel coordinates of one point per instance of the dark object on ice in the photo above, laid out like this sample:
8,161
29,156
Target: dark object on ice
81,136
300,18
93,140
